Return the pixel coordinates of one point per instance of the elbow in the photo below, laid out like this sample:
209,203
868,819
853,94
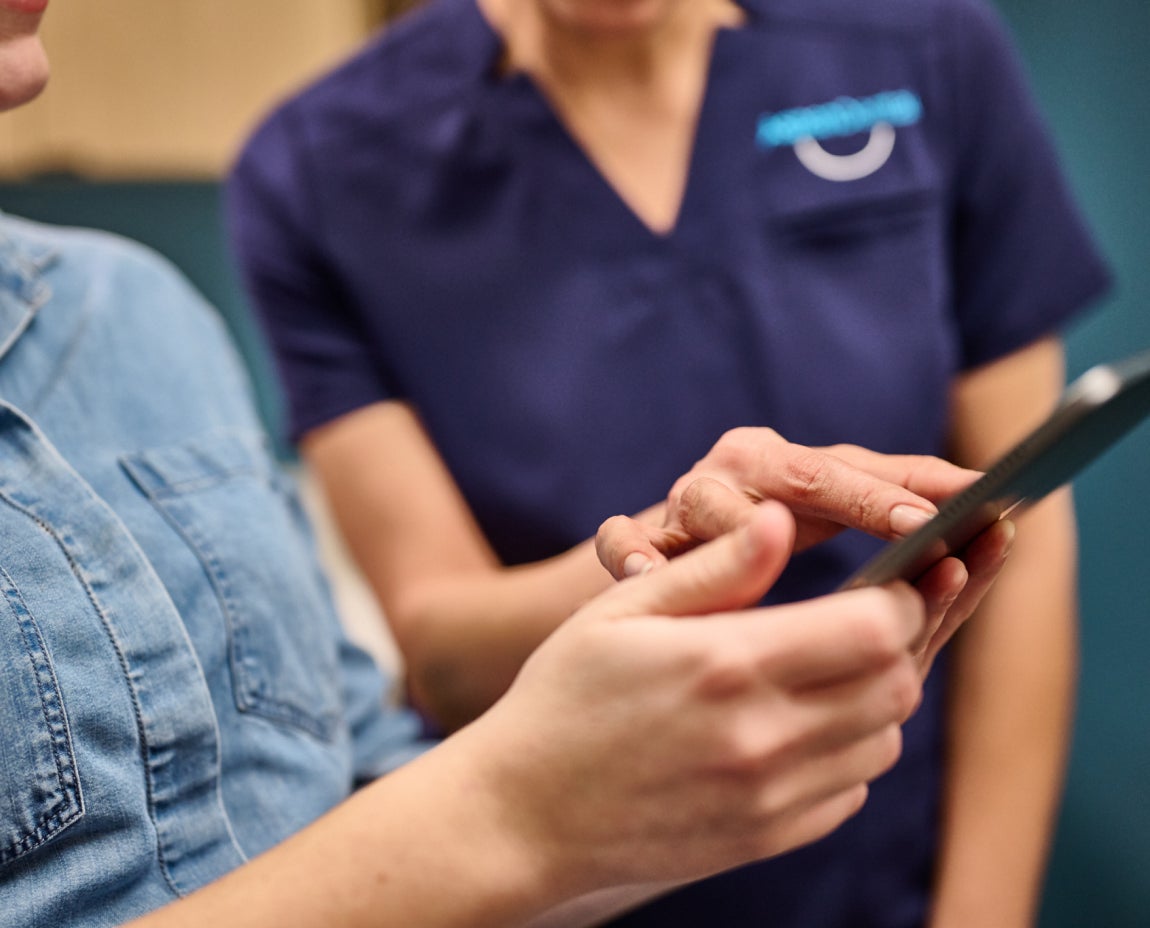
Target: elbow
442,679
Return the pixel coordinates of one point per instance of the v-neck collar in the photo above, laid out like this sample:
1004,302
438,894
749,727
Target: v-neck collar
526,100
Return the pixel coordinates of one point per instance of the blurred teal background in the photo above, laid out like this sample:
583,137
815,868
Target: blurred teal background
1090,64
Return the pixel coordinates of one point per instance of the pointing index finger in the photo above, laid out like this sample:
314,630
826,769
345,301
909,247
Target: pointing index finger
817,483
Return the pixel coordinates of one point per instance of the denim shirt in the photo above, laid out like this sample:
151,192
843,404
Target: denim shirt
176,694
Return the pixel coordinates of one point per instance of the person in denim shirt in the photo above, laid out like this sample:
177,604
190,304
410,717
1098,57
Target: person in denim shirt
177,696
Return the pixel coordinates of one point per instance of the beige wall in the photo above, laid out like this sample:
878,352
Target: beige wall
168,88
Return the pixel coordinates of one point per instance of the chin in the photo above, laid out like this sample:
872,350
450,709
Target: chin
23,71
617,17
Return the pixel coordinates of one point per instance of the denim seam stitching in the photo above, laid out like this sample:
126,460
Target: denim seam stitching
253,700
125,669
246,692
70,807
173,488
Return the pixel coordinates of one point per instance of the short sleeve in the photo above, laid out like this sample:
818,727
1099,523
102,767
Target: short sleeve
384,735
1023,259
322,357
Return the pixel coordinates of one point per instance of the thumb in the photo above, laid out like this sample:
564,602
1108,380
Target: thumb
734,570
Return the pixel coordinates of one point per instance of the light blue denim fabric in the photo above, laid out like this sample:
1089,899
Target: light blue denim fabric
176,694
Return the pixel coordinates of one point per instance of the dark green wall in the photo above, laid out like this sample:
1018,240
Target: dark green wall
1090,63
180,220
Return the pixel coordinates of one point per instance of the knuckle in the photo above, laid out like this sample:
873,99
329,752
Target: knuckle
706,506
611,537
781,792
905,689
744,742
727,674
806,472
742,753
875,636
889,748
680,485
679,488
729,447
773,803
738,443
870,504
690,498
841,450
611,527
750,752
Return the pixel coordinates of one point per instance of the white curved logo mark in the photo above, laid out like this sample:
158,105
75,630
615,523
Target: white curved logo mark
806,128
856,166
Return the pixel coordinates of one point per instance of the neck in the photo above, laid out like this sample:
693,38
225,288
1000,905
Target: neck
633,47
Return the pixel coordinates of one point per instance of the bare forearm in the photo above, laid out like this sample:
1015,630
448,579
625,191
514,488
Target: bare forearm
465,635
463,621
420,847
425,846
1010,714
594,908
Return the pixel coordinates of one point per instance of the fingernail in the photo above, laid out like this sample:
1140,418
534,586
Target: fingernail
1008,531
907,519
636,563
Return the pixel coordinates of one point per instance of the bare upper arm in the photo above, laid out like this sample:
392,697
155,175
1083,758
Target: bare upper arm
994,406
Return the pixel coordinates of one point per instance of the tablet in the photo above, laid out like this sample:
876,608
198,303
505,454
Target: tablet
1094,412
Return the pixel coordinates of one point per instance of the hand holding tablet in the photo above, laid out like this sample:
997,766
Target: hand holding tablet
1095,411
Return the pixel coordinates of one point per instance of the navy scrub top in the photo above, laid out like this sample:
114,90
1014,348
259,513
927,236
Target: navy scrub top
415,226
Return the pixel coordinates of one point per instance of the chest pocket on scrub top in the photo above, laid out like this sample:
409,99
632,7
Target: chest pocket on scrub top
841,221
224,495
873,256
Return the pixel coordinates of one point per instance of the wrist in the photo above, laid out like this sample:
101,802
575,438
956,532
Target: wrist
496,848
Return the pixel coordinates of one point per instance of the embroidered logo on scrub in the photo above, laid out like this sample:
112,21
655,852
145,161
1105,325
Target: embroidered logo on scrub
804,128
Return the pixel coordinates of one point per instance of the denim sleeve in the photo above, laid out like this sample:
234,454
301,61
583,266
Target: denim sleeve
384,733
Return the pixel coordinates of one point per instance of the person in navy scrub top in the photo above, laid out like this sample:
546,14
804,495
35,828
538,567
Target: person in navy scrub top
522,262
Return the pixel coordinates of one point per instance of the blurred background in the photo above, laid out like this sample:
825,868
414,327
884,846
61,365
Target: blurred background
149,102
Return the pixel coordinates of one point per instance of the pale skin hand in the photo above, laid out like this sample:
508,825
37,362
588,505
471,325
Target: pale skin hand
465,623
792,710
1012,676
951,590
827,489
770,724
